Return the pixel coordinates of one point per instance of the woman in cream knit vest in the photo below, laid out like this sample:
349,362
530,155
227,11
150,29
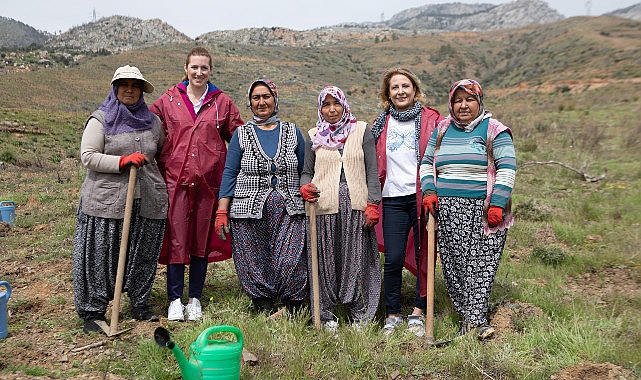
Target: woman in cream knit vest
340,176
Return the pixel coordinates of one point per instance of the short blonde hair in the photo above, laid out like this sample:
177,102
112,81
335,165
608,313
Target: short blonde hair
383,94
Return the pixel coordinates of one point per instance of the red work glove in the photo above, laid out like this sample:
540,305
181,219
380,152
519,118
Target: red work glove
309,192
494,216
430,204
371,215
221,224
135,158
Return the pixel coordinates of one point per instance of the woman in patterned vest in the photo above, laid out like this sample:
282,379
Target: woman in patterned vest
260,205
340,176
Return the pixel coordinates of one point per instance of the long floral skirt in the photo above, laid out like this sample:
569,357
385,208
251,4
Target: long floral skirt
96,247
348,262
269,253
469,258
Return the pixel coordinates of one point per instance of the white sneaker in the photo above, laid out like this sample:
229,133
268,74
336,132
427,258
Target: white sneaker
391,323
416,324
194,310
175,312
331,327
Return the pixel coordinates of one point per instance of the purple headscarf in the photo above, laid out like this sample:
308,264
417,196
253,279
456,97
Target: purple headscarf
120,118
333,136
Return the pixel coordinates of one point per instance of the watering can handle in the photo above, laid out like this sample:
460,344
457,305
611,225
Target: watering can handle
203,338
6,284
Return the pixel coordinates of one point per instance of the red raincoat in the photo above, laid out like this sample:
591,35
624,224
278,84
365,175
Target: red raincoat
429,120
192,163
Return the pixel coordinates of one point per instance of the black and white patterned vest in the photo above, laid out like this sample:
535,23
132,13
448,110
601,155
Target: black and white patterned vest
254,181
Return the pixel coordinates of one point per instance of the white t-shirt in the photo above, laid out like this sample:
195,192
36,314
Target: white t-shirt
401,158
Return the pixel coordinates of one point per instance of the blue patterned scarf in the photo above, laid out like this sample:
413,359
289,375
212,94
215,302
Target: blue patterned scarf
413,113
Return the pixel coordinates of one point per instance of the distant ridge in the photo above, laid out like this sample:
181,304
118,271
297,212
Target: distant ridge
632,12
17,34
119,33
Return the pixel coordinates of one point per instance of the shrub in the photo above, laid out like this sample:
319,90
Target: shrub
553,256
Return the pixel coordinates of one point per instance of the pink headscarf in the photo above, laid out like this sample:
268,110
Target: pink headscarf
471,87
333,136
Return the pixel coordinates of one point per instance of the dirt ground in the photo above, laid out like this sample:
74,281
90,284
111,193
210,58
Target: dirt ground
44,329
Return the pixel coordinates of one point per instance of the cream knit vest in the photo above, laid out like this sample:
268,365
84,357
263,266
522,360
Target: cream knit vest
327,173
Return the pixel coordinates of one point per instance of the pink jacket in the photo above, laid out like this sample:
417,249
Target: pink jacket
429,120
192,162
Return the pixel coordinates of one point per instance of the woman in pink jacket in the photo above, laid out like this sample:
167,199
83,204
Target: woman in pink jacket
401,133
198,119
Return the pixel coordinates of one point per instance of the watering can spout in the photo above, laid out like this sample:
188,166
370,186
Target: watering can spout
189,370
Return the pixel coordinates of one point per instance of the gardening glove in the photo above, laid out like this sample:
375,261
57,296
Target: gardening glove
494,216
135,158
309,192
371,215
430,203
221,224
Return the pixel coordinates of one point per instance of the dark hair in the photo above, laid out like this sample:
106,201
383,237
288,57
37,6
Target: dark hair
198,51
383,94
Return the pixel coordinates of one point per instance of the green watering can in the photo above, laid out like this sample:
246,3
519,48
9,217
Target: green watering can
209,358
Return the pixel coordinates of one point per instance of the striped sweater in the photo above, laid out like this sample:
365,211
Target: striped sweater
461,165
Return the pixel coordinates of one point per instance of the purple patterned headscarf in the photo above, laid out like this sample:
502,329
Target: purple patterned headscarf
333,136
120,118
473,88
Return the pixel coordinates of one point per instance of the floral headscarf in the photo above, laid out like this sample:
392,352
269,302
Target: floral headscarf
473,88
333,136
274,91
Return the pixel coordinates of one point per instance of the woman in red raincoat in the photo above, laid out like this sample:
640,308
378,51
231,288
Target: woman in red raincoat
198,119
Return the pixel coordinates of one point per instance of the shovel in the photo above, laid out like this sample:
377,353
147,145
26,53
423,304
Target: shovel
431,268
315,281
429,312
112,329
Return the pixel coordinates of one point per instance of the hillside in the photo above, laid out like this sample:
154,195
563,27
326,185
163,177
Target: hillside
15,34
578,50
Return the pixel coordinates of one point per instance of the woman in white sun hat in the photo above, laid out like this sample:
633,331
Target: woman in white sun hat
122,132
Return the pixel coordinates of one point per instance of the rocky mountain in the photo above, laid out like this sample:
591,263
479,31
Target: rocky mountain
115,34
426,19
16,34
632,12
474,17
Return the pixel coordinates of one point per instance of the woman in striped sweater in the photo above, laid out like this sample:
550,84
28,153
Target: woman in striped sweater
467,176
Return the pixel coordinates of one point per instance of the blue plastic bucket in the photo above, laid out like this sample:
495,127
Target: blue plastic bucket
8,211
4,297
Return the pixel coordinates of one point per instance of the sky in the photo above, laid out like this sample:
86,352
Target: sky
194,18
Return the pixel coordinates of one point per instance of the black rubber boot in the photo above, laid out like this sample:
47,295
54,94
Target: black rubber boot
264,305
294,307
144,314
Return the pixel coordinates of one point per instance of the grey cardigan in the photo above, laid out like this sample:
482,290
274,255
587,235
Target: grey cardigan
104,191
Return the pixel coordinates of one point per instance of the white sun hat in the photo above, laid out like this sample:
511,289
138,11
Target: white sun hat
132,72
